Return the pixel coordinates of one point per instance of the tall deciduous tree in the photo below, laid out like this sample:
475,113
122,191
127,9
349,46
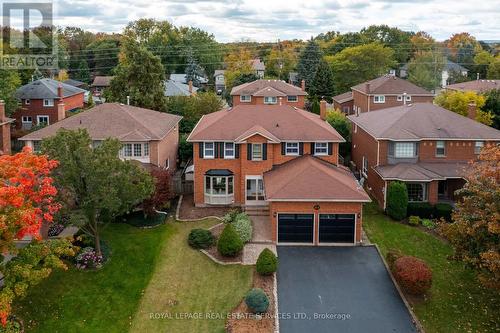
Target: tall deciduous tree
391,37
357,64
139,75
492,105
475,231
494,69
9,82
322,85
458,101
308,63
281,61
482,60
339,121
102,185
238,64
425,69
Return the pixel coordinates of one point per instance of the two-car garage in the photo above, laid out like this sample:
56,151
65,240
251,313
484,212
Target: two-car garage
331,228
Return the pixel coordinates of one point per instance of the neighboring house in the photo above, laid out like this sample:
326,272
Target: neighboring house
40,99
259,67
477,86
282,159
5,122
181,78
449,67
272,92
148,136
422,144
100,84
220,81
77,84
173,88
293,78
344,102
385,92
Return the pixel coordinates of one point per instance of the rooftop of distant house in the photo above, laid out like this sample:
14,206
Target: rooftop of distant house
390,84
102,81
262,87
46,89
478,86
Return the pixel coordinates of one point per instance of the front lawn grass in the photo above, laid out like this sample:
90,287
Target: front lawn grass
187,283
457,302
97,301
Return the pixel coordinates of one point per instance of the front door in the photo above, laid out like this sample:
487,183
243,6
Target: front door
254,190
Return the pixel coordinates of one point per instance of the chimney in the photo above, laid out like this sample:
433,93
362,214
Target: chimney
471,111
367,88
404,98
322,109
60,91
303,85
190,83
61,111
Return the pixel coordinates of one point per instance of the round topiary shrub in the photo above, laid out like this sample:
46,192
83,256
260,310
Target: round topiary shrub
243,226
267,263
397,200
257,300
229,244
413,275
200,239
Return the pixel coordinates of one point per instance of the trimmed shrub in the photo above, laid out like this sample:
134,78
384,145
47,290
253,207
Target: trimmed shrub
422,209
429,224
413,275
229,244
243,226
200,239
391,256
414,220
257,300
267,263
443,210
397,200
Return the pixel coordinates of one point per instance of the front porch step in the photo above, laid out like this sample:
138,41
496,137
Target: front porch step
257,210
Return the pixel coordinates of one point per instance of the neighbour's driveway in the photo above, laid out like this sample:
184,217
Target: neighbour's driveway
338,289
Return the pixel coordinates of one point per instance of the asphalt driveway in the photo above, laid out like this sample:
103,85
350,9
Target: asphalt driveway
338,289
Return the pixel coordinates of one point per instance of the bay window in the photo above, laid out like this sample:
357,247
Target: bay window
138,150
219,189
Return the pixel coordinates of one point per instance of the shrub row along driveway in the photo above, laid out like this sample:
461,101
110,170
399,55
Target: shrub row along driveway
338,289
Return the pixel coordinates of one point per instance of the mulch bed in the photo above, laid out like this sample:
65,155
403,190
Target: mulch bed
247,323
189,212
212,250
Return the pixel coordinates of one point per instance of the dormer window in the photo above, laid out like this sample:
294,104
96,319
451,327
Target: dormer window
245,98
270,100
379,99
292,99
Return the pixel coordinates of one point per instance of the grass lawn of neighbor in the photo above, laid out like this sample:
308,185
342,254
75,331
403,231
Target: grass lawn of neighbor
457,302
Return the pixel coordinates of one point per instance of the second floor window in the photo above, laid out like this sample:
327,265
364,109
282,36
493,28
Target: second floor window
379,99
321,148
405,150
270,100
440,148
48,102
478,145
292,98
257,151
209,150
131,149
245,98
291,148
228,150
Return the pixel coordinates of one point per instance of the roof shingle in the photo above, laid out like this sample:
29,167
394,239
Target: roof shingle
479,86
46,88
250,88
390,84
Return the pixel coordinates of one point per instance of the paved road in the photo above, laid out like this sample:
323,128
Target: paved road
348,287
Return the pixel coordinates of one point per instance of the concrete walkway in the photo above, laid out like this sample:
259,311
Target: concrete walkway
251,252
261,229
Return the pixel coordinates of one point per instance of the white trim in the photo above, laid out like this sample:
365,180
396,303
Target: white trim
364,93
255,202
298,148
245,101
51,104
321,154
27,121
275,100
229,157
378,99
205,149
320,200
42,115
288,98
242,140
293,243
378,153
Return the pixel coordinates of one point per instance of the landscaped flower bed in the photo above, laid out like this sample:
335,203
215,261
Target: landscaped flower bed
55,229
88,259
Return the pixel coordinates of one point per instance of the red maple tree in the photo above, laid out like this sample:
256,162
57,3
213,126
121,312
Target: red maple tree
26,196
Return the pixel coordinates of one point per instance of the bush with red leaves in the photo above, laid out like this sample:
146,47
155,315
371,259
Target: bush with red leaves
412,274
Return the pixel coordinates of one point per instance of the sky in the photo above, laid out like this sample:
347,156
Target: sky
269,20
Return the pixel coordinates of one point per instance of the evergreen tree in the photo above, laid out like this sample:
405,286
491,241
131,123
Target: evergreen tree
323,84
193,69
308,63
9,82
82,72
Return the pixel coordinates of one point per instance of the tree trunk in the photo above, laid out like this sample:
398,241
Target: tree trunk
93,222
44,230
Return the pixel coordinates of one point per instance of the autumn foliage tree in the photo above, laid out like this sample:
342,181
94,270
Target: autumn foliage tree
163,192
475,233
26,196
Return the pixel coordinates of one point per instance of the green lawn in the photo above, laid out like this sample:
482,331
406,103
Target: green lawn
185,281
150,270
457,302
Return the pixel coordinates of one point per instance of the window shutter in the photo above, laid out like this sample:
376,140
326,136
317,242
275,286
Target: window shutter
301,148
216,149
264,151
283,146
249,151
221,150
330,148
236,151
312,148
200,149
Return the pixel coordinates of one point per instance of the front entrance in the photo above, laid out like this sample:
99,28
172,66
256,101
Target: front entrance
254,193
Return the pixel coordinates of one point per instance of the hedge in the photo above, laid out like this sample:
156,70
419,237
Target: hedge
421,209
397,200
443,210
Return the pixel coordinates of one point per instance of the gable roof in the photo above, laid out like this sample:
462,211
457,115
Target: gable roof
422,121
342,98
124,122
284,122
173,88
478,86
102,81
390,84
46,88
309,178
250,88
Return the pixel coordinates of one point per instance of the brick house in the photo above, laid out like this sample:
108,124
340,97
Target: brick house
39,102
100,84
5,123
148,136
344,102
270,92
381,93
423,145
284,160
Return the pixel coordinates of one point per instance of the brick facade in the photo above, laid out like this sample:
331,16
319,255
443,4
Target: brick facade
365,103
346,107
165,149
